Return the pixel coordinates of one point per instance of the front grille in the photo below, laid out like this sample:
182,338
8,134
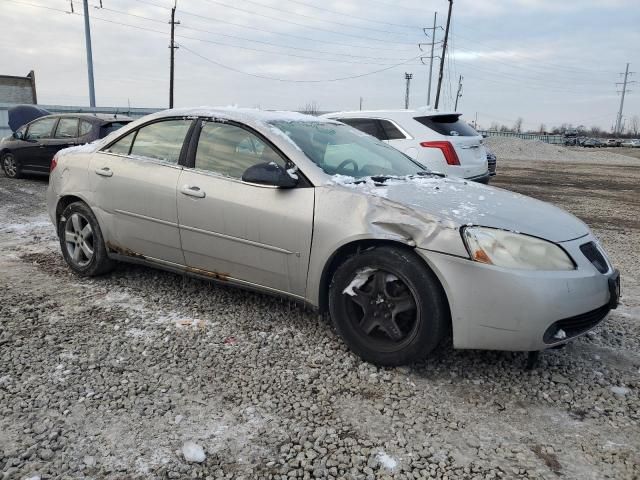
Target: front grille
574,326
593,254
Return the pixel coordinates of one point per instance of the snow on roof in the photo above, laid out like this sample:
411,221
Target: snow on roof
243,114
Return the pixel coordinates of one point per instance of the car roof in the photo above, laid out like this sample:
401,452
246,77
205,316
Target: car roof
104,117
244,115
421,112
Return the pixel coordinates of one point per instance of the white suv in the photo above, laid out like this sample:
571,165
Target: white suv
439,141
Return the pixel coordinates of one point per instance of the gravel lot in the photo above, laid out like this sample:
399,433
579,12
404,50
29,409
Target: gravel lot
112,377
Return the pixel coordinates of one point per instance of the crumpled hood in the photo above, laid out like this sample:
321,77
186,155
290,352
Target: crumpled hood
468,203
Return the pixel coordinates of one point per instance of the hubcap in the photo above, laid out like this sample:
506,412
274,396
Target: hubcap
78,236
10,166
384,309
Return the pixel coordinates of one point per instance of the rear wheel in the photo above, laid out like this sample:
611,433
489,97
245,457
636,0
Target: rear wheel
81,241
388,306
10,165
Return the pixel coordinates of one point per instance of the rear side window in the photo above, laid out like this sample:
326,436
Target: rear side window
161,140
110,127
391,131
366,125
85,127
67,128
449,125
122,146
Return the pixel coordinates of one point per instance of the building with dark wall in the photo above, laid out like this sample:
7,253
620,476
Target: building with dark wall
19,90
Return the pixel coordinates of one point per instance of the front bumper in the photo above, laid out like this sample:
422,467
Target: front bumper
494,308
484,178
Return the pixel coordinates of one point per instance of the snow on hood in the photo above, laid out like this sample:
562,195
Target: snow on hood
461,202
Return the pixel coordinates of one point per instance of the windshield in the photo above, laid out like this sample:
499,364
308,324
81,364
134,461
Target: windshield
340,149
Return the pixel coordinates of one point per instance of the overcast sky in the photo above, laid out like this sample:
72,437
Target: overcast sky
547,61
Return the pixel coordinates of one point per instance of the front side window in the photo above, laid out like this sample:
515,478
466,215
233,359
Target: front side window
67,128
229,150
41,129
161,140
339,149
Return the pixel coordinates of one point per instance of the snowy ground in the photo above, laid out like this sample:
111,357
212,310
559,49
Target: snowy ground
113,377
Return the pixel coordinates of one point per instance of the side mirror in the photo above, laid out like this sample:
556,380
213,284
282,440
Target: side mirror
269,174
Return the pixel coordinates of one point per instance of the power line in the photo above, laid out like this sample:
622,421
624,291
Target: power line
270,32
335,32
318,19
233,69
353,16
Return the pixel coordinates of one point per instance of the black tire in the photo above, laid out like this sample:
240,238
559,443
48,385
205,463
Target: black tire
396,335
79,233
10,165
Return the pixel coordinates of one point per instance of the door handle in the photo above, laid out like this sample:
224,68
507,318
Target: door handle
192,191
104,172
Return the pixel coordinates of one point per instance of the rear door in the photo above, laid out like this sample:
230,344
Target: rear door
66,135
256,234
134,181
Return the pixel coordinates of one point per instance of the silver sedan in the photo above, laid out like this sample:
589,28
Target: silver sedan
318,212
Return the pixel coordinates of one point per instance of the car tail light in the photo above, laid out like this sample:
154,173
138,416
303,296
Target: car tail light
447,149
54,163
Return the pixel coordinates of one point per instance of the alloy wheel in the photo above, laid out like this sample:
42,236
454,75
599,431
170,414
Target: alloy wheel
78,236
384,310
10,166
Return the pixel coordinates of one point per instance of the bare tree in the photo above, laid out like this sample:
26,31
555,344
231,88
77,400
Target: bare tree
494,127
634,125
542,128
311,108
517,127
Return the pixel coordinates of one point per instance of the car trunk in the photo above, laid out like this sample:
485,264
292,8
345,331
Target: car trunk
467,143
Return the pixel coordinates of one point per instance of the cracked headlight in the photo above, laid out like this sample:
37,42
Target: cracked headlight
514,250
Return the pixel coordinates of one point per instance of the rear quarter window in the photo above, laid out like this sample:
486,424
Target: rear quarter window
449,125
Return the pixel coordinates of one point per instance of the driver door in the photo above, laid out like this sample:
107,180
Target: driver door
254,234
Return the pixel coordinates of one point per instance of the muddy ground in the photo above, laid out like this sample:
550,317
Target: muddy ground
109,377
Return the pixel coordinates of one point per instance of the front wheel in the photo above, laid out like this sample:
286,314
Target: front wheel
81,241
10,166
388,306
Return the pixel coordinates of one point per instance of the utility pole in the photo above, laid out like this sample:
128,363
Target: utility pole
173,48
444,52
408,77
432,56
360,103
459,93
618,129
475,122
87,37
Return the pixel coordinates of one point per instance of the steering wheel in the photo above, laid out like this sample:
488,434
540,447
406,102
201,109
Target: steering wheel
346,162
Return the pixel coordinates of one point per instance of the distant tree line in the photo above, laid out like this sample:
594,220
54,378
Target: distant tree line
632,129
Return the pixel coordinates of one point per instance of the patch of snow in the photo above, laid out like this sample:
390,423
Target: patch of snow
292,173
193,452
390,278
560,334
362,276
619,391
387,461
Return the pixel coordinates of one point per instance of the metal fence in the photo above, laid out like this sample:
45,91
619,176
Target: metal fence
130,112
553,139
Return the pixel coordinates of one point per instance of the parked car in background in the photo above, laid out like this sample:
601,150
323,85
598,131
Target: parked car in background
32,146
633,143
613,142
315,211
592,143
439,141
491,162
